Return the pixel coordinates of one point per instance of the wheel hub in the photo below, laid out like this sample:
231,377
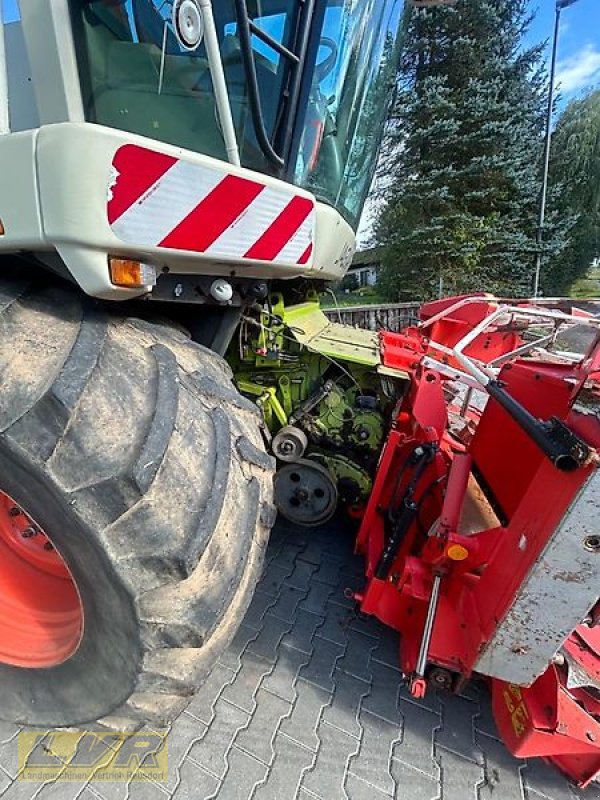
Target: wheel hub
41,617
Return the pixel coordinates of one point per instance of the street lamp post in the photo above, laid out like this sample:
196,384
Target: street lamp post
560,4
4,117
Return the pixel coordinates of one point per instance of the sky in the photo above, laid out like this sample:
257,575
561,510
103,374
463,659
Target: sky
579,43
578,67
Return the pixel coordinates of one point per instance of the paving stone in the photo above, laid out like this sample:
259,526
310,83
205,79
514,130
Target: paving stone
301,635
418,730
273,577
88,794
37,754
211,751
323,661
286,559
383,697
243,774
317,597
195,783
109,791
431,700
542,779
232,657
302,723
345,703
327,776
183,735
336,626
388,649
357,789
286,606
461,778
282,680
591,792
313,553
26,790
367,625
373,761
8,731
257,738
502,771
9,757
356,659
144,790
250,677
278,540
291,761
268,640
5,781
334,539
484,721
457,731
259,606
203,705
301,577
346,583
412,784
54,788
303,794
328,572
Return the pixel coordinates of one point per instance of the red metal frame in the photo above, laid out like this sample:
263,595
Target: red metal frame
476,558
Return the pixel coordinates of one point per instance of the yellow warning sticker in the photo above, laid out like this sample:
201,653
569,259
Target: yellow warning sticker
519,716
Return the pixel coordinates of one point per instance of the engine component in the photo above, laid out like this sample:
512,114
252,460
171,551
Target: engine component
289,444
318,389
343,422
305,493
353,482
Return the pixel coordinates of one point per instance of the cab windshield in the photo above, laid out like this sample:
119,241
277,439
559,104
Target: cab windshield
351,88
308,83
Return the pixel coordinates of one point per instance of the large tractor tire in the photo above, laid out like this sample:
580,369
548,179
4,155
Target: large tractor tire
135,506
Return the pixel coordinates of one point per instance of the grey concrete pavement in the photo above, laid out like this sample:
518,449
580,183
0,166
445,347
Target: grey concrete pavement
308,703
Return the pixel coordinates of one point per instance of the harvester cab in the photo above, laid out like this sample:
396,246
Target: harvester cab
233,139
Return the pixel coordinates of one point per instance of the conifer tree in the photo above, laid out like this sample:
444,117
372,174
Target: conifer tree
463,154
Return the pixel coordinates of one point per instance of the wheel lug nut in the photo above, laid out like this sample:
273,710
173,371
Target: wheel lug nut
48,546
28,533
15,512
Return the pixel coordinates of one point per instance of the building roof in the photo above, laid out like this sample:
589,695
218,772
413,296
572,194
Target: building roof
364,258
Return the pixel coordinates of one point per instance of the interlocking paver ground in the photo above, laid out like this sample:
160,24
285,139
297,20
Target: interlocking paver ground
308,703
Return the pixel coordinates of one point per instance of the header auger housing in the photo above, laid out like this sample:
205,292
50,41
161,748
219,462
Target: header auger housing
480,535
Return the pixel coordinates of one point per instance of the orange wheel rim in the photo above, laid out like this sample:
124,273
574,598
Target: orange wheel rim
41,616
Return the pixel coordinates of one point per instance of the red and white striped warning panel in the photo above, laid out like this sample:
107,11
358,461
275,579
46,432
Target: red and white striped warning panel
160,201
